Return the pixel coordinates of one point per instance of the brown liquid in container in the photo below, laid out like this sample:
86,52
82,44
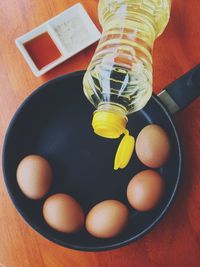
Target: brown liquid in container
42,50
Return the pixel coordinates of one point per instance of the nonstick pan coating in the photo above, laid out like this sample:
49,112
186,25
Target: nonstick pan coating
55,122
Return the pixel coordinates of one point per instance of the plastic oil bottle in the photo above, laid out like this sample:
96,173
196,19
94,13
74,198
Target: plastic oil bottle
118,80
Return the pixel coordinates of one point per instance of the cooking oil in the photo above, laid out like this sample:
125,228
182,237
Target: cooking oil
118,80
120,72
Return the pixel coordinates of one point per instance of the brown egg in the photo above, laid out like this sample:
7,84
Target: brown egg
34,176
145,190
107,219
152,146
63,213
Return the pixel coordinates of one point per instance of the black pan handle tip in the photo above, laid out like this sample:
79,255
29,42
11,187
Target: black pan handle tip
180,93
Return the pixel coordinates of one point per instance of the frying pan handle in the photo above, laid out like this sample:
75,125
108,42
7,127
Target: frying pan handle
180,93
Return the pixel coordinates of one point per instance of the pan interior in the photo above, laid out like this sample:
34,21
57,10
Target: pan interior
55,122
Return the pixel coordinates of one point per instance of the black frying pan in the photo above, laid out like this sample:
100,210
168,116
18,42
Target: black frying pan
55,122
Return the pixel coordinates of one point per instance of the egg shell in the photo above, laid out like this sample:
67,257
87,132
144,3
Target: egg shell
107,219
145,190
34,176
63,213
152,146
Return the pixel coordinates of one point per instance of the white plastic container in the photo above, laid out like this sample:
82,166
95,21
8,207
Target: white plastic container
71,31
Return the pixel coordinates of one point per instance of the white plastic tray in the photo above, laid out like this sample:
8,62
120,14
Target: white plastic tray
71,31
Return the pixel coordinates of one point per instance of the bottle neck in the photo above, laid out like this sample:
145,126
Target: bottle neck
112,107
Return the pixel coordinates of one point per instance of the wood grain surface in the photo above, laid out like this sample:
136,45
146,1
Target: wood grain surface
175,242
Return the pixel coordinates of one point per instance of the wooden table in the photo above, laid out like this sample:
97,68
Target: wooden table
175,242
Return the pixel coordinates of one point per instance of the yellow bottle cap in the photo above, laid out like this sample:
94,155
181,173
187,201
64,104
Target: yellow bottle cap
111,125
124,151
108,124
